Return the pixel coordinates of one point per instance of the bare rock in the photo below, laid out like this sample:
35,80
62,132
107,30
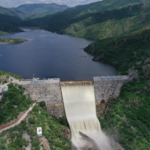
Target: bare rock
133,74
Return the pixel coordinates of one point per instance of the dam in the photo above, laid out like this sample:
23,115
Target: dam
105,89
81,102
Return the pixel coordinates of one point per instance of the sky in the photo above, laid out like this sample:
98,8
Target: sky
70,3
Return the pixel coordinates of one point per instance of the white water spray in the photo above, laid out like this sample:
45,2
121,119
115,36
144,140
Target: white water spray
79,101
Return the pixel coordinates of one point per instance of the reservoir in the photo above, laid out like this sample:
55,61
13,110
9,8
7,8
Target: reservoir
51,55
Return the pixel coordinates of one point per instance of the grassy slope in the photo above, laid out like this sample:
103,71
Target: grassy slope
127,118
53,131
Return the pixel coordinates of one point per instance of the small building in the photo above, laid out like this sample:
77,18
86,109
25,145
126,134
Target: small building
39,131
5,89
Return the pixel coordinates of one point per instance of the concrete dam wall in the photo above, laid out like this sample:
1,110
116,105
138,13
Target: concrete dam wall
106,88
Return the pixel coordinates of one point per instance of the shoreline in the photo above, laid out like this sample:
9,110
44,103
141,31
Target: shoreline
30,28
2,43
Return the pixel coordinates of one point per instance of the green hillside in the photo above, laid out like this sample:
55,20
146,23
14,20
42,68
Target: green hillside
104,24
5,11
111,23
53,131
13,102
9,23
127,117
27,11
61,20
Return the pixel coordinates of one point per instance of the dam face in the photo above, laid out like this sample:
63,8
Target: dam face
48,91
105,89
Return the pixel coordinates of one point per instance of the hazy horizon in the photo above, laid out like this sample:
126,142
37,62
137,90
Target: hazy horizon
70,3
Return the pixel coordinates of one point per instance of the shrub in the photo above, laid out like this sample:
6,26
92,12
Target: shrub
42,103
31,120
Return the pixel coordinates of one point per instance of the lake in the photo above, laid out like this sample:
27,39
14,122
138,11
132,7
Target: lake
51,55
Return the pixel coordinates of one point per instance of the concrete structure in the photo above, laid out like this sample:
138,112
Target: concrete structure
106,89
48,91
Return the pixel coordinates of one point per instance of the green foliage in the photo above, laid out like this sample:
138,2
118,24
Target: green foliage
63,121
7,74
98,20
31,120
10,23
53,131
3,33
127,118
42,103
12,40
13,102
124,52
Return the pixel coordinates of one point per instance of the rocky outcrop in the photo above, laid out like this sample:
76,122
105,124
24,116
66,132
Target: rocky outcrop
133,74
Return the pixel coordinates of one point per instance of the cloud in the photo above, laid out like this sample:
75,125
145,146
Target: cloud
71,3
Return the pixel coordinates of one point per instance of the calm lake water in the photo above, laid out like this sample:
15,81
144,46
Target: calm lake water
50,55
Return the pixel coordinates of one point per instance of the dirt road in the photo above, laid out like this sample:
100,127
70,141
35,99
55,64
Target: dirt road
21,119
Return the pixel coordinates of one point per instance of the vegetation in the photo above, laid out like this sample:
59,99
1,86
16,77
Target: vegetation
10,23
42,103
128,116
7,74
12,40
53,131
106,24
3,33
13,102
5,11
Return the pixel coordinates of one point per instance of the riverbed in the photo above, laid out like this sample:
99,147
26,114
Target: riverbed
51,55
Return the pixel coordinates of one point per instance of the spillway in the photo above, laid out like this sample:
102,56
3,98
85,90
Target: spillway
79,102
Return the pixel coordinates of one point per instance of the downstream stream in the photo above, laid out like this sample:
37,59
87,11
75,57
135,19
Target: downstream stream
50,55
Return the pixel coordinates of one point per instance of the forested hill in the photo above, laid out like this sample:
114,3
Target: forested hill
5,11
104,24
127,118
9,23
28,11
60,21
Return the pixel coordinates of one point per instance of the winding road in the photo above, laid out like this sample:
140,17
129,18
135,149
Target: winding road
19,121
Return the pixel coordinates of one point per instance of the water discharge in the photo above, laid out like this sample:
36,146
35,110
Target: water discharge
79,101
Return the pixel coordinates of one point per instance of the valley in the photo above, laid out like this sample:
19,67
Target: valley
121,33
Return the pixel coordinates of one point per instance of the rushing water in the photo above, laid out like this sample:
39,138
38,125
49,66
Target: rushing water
50,55
79,102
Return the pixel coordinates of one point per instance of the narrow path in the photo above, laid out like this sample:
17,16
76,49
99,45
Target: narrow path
44,142
21,119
